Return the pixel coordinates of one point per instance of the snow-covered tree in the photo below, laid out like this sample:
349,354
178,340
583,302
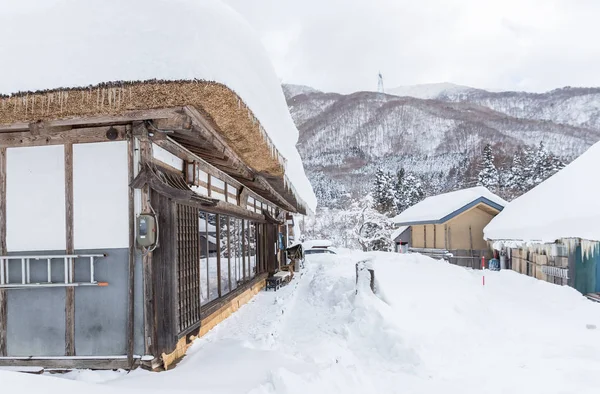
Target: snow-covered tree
383,193
373,229
488,175
408,190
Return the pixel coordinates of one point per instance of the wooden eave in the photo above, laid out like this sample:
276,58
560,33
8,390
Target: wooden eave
182,126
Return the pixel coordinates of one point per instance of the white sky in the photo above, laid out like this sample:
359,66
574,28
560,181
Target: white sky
340,45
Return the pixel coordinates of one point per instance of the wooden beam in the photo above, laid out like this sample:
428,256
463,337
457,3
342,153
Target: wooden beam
3,251
60,136
70,291
67,363
101,120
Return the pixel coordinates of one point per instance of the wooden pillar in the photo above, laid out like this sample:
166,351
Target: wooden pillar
131,296
3,250
70,291
424,236
446,236
434,236
140,132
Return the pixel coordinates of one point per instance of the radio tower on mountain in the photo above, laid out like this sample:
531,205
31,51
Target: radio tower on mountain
380,83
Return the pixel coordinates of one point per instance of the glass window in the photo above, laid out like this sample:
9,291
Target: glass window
233,252
213,274
252,250
239,261
203,259
224,252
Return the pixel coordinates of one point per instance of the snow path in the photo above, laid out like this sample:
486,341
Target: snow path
431,329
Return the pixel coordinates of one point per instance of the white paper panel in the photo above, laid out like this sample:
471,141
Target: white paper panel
167,157
100,195
35,199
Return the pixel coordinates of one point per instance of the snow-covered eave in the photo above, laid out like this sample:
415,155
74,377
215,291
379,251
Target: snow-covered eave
452,214
115,97
588,247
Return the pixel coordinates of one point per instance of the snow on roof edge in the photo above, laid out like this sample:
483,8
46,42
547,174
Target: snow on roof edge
225,49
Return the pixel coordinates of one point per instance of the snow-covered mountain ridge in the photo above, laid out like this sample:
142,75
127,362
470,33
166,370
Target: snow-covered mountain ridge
346,137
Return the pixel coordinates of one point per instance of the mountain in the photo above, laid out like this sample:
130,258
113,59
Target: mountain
345,138
430,90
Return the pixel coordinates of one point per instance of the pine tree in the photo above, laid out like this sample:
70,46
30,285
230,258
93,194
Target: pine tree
408,190
488,175
517,177
383,193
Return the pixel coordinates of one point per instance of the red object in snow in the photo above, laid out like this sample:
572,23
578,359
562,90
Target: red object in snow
483,268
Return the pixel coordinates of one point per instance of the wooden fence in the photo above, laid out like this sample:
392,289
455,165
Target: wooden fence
461,257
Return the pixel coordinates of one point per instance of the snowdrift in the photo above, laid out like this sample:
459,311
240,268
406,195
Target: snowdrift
432,328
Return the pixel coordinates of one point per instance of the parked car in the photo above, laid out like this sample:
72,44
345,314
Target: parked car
317,247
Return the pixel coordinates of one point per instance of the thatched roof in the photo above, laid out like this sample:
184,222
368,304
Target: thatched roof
226,111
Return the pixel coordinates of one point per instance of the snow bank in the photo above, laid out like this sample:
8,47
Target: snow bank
433,328
517,334
70,43
436,207
566,205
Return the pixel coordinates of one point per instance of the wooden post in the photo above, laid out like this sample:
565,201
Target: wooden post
70,291
446,236
3,250
449,238
131,295
424,236
145,156
434,236
473,264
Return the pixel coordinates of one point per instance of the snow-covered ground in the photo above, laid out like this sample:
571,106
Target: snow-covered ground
433,328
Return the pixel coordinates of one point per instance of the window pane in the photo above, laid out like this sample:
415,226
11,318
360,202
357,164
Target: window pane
203,260
233,252
213,274
239,261
247,250
225,253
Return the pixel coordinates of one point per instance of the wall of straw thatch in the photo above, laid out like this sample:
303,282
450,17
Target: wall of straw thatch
219,104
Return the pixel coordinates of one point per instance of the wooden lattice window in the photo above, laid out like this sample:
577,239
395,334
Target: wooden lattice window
188,267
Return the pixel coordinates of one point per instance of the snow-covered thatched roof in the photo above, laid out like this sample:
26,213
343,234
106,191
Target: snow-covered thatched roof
440,208
59,44
566,205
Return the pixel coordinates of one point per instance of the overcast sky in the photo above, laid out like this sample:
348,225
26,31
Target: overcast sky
340,45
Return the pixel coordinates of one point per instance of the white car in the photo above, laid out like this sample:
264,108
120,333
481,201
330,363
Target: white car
317,247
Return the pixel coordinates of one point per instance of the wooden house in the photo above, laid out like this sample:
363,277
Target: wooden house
552,232
135,216
452,223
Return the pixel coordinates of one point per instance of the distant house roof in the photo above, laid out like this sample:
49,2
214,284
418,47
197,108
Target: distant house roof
398,232
566,205
443,207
